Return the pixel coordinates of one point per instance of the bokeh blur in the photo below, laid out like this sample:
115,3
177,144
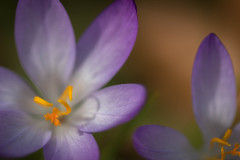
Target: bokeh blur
170,32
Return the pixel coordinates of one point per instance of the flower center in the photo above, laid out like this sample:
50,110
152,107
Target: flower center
223,142
56,113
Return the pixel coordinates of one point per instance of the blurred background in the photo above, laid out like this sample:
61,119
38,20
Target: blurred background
170,32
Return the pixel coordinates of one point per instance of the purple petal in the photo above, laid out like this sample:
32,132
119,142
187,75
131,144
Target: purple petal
16,94
213,88
45,43
68,143
109,107
162,143
105,46
20,134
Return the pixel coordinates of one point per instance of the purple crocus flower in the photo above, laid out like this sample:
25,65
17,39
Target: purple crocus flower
214,105
67,104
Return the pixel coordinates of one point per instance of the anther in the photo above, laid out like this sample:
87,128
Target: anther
42,102
222,153
68,108
220,141
227,134
67,94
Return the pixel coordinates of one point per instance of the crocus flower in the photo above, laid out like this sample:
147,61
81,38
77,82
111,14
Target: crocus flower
66,103
214,105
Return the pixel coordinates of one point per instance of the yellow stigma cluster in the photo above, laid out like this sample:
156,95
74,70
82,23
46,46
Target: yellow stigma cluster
223,142
56,113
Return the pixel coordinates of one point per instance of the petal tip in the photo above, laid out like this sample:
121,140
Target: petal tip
213,87
211,37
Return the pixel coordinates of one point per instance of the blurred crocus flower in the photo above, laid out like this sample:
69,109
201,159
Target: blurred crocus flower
214,105
65,108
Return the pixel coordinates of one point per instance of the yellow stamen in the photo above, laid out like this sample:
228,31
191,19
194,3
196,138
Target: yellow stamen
67,94
56,113
68,108
227,134
70,92
222,153
42,102
218,140
222,142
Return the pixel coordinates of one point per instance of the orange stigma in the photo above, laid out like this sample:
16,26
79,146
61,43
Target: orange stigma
56,113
